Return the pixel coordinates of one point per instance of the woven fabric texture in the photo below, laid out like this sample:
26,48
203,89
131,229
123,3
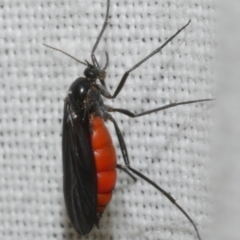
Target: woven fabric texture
170,147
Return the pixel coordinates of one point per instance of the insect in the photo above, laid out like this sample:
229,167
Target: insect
89,158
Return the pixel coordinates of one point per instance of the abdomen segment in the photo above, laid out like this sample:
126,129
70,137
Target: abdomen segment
105,160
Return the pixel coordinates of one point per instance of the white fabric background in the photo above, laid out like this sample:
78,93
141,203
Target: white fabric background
171,147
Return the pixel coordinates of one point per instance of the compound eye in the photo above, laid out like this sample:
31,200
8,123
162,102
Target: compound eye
91,72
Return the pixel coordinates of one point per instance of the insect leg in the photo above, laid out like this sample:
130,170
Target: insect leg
127,163
133,115
94,59
124,169
107,61
125,75
104,68
168,196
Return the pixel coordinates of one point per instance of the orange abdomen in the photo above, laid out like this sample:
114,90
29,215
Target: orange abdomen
105,160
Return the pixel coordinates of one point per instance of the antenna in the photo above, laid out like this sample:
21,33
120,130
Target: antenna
65,54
